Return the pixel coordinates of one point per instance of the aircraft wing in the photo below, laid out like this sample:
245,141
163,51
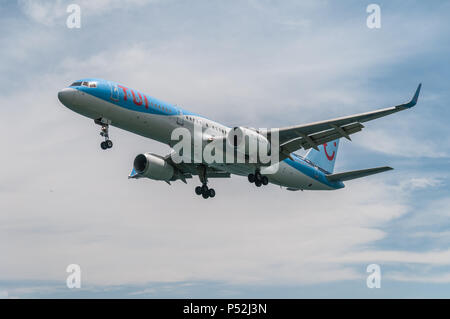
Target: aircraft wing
311,135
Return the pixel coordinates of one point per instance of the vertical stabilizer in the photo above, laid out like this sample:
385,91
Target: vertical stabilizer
326,156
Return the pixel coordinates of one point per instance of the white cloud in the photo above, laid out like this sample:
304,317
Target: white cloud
65,201
420,183
45,12
401,143
51,12
143,292
143,235
437,258
442,278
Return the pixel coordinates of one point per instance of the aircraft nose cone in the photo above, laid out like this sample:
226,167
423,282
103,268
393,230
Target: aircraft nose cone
66,95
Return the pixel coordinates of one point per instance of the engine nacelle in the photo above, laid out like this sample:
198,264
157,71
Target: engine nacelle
154,167
249,141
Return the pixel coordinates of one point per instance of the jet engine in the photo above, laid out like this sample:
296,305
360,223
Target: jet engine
249,141
154,167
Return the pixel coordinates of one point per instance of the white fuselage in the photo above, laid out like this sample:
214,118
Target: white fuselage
160,128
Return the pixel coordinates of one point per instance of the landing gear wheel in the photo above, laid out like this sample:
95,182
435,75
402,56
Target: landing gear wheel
204,190
258,183
251,178
105,133
264,180
258,176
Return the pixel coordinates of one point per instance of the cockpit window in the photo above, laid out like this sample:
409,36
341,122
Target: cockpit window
76,84
86,84
92,84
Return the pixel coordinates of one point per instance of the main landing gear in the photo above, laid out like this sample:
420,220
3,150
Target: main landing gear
204,190
105,133
258,179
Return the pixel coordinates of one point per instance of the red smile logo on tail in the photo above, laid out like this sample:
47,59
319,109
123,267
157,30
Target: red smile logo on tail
330,157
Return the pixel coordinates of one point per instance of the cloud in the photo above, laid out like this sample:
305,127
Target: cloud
420,183
441,278
68,202
429,257
297,239
50,13
146,291
402,143
45,12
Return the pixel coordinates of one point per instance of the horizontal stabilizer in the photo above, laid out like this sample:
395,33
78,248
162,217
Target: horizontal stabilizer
346,176
134,174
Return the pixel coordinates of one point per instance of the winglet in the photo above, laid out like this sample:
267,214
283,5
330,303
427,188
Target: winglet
416,95
413,100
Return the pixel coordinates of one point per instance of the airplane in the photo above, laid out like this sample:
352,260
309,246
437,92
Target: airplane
111,104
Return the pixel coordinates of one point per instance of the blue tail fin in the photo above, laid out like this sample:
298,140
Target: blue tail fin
325,157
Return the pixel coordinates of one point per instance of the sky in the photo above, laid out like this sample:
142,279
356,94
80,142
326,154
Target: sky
252,63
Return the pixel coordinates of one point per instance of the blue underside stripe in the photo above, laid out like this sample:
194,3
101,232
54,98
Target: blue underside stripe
312,172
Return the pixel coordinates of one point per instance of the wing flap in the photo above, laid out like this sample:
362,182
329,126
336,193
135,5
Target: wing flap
313,140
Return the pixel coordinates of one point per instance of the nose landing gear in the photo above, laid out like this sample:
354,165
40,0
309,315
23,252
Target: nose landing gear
106,144
105,133
258,179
